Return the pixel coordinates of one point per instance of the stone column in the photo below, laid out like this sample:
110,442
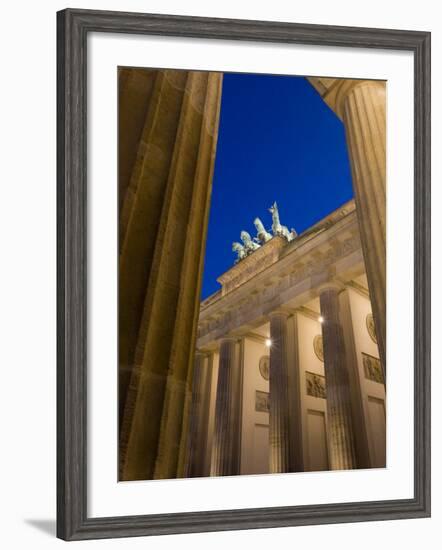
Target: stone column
363,108
360,427
143,181
361,104
340,435
295,404
199,416
226,449
141,187
279,399
135,88
164,224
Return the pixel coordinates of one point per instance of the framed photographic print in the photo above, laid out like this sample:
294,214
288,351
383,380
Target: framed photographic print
243,274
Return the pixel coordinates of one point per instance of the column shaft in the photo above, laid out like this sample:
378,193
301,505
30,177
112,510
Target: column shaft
279,398
142,195
174,428
154,413
363,108
135,89
294,394
340,435
226,449
199,417
359,420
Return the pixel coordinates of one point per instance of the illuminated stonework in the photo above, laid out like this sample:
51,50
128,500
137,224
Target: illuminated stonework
303,384
178,421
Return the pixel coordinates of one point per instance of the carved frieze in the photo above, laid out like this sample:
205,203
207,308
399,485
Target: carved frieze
315,385
262,258
372,368
262,401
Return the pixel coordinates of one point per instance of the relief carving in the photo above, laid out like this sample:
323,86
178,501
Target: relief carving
262,401
315,385
264,366
372,368
369,321
318,347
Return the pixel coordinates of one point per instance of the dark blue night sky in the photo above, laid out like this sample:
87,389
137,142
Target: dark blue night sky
277,141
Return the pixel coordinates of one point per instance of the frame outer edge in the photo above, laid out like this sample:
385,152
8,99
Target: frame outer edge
244,29
422,273
71,276
72,28
61,382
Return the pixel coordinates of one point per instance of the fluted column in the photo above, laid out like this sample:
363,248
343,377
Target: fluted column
199,416
143,181
363,110
340,435
135,88
359,419
294,397
226,450
279,399
361,104
164,224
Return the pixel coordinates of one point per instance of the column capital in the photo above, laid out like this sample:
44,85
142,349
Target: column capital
332,285
280,312
348,87
334,91
226,339
201,353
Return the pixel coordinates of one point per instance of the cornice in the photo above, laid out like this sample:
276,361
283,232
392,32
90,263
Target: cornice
294,258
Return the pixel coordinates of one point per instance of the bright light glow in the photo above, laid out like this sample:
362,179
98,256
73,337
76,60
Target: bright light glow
268,342
321,319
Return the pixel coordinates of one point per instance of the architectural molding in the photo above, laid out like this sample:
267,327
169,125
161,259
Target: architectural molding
256,337
280,312
303,265
360,289
253,264
334,284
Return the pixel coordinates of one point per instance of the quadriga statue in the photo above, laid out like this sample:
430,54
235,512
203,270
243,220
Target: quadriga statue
250,245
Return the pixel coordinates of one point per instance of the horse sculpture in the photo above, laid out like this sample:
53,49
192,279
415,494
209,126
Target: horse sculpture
263,235
240,251
277,228
249,245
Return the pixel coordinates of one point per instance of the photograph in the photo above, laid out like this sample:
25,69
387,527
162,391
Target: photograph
251,273
218,255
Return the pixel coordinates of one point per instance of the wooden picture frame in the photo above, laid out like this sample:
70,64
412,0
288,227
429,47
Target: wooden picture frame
73,27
